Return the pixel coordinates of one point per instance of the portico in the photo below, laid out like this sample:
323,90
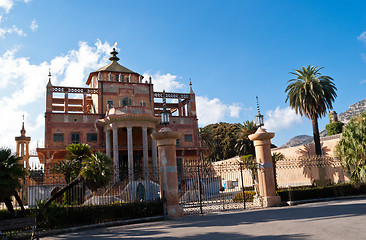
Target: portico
128,136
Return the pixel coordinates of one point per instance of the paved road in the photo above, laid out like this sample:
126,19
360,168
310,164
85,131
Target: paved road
344,219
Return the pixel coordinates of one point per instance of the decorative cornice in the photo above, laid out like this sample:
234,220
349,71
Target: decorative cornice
127,117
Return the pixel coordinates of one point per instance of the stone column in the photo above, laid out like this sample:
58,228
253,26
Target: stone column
84,102
66,104
130,153
18,148
262,143
115,154
154,155
168,170
108,143
145,153
21,149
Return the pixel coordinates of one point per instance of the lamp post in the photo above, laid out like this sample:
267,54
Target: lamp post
259,117
164,114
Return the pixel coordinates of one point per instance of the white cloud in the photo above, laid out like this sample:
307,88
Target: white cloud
34,25
363,81
213,110
362,37
234,110
281,118
13,29
6,5
23,84
167,82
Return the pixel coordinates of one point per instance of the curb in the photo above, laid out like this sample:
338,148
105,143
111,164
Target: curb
293,203
100,225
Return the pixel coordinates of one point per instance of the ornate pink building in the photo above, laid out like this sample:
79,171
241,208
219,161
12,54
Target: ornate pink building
116,114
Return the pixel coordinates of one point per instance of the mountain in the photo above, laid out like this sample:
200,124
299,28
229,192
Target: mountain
298,140
344,117
353,110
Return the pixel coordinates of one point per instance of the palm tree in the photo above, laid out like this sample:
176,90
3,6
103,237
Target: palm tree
244,146
11,171
95,170
311,94
351,149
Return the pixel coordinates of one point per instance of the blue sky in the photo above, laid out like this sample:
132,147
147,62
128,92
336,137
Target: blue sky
232,51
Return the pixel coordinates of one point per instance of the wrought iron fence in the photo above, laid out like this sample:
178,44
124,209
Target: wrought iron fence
39,185
309,171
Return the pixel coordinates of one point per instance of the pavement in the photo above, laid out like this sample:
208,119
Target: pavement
342,219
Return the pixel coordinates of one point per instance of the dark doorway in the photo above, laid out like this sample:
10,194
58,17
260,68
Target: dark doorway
123,167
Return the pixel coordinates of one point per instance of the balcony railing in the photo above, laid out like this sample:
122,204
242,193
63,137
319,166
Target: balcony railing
129,110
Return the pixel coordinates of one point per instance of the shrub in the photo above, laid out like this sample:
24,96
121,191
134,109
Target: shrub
58,216
67,216
334,128
249,196
304,193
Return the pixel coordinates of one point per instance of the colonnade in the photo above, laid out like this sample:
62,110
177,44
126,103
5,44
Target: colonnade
145,151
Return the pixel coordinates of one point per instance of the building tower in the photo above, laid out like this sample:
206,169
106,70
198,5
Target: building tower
22,146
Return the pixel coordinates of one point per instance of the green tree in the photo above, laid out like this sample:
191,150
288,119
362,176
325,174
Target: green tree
11,172
311,94
244,146
351,149
221,138
334,128
95,170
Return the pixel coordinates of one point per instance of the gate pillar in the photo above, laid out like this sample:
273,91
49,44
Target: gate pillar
262,143
166,143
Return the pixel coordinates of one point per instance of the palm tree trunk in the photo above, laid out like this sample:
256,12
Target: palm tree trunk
318,149
8,204
19,200
59,193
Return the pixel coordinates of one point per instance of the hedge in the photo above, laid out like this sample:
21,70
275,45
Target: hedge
249,195
338,190
69,216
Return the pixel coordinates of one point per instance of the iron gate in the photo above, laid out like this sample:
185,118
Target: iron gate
212,187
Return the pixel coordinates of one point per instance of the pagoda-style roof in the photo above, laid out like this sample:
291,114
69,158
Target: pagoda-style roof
114,66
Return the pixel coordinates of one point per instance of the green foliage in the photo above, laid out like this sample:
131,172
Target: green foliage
10,171
249,162
59,216
311,94
351,149
221,139
97,170
334,128
338,190
249,196
244,145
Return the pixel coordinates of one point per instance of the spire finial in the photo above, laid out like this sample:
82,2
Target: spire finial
114,56
22,131
49,78
190,82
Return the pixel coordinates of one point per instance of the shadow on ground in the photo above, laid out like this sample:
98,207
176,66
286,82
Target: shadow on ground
169,229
